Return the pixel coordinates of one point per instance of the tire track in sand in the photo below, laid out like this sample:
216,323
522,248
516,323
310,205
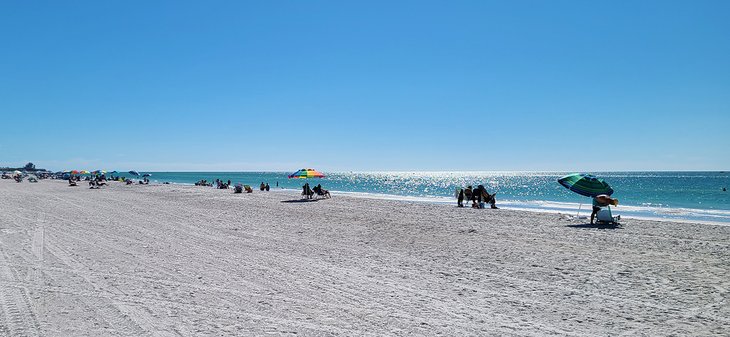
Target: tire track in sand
17,318
127,319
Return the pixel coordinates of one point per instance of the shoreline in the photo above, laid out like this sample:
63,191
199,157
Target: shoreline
520,205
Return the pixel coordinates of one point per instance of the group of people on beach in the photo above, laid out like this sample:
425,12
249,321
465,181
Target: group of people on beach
309,192
97,181
18,177
218,183
478,197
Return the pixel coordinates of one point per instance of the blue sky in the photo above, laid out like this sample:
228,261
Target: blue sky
370,85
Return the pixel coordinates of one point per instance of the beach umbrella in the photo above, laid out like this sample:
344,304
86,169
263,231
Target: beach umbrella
134,173
74,172
585,184
17,173
99,172
146,175
84,172
306,173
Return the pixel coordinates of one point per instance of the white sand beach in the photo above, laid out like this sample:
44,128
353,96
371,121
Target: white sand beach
171,260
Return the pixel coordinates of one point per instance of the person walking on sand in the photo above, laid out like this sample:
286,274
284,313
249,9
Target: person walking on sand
601,201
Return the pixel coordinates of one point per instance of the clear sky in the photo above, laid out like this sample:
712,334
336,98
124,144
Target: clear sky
366,85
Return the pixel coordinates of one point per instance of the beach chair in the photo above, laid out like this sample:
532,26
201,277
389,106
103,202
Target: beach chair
605,217
322,193
72,183
248,188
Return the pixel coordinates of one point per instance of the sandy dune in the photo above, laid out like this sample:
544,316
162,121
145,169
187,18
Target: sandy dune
172,260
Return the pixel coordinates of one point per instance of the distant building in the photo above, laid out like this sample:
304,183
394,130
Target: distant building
30,167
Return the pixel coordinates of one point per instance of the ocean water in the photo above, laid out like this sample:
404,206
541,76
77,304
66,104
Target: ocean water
692,196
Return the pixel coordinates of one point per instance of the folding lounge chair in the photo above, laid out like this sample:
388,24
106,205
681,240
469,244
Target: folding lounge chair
322,193
248,188
605,217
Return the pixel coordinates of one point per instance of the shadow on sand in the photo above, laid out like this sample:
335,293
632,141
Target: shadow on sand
596,225
299,200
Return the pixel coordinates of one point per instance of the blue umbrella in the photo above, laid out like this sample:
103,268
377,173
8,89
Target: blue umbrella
146,175
134,173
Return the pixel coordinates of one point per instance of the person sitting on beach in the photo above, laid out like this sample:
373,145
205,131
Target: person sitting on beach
262,186
460,199
601,201
96,183
307,191
468,193
476,197
267,187
479,194
321,192
100,181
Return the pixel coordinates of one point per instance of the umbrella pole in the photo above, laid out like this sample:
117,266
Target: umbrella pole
577,215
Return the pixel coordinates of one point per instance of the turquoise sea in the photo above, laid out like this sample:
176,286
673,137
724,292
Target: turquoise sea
696,196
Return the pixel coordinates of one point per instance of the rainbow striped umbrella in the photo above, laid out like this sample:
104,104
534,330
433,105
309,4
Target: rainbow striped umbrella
74,172
306,173
585,184
84,172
